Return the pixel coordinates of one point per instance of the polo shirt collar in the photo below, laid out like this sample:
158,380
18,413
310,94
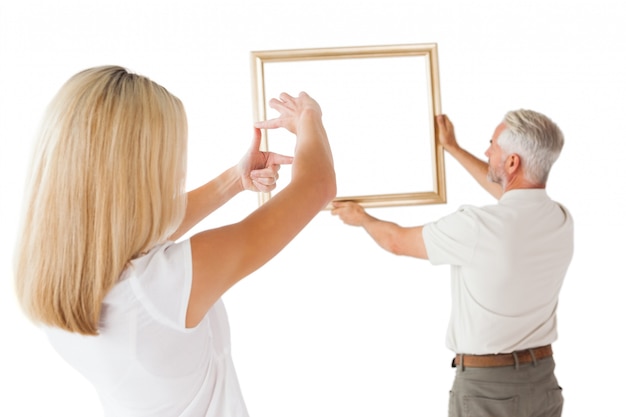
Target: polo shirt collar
526,194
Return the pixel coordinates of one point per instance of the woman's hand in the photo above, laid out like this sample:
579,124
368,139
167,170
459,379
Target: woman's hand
258,170
291,110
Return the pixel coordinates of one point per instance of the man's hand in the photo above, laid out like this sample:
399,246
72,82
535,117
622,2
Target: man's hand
259,170
349,212
445,133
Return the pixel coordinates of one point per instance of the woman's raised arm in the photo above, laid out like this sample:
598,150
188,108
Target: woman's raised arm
223,256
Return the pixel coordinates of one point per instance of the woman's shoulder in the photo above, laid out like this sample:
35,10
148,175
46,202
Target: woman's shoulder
159,281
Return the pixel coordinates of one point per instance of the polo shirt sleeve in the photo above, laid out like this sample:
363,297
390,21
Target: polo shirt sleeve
452,239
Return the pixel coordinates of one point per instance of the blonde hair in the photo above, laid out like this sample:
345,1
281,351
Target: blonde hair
106,184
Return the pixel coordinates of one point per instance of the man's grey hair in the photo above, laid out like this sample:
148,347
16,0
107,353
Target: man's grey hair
535,138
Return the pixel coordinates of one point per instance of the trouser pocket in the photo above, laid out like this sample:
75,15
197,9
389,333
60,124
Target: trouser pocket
476,406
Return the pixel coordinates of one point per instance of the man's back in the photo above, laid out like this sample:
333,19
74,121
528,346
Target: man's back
508,264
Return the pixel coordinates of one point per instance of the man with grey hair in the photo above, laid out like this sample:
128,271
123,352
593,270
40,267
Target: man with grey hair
508,262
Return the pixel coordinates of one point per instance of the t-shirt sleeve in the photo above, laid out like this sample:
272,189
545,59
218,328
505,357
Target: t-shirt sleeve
452,239
162,282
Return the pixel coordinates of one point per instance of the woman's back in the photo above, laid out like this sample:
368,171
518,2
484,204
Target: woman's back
141,319
190,374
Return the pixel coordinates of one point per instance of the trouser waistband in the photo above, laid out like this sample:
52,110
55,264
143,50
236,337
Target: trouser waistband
516,358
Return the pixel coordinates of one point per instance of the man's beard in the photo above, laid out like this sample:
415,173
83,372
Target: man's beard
495,174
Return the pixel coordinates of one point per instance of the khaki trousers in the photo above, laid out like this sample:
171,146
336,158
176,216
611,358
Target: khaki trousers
528,390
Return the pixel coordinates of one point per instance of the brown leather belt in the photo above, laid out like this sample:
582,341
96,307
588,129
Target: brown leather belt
503,359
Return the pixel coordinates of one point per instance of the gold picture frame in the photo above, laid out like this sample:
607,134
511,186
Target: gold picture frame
379,105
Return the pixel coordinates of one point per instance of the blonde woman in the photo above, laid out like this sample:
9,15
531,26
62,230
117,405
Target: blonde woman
98,263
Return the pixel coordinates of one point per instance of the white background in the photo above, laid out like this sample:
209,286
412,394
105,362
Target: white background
364,135
334,326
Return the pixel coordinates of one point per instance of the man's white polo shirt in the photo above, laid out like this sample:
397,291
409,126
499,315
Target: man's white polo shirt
508,262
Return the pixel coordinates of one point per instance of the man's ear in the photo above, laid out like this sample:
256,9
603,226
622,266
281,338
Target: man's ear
513,163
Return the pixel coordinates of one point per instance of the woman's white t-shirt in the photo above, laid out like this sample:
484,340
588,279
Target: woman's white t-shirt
145,362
